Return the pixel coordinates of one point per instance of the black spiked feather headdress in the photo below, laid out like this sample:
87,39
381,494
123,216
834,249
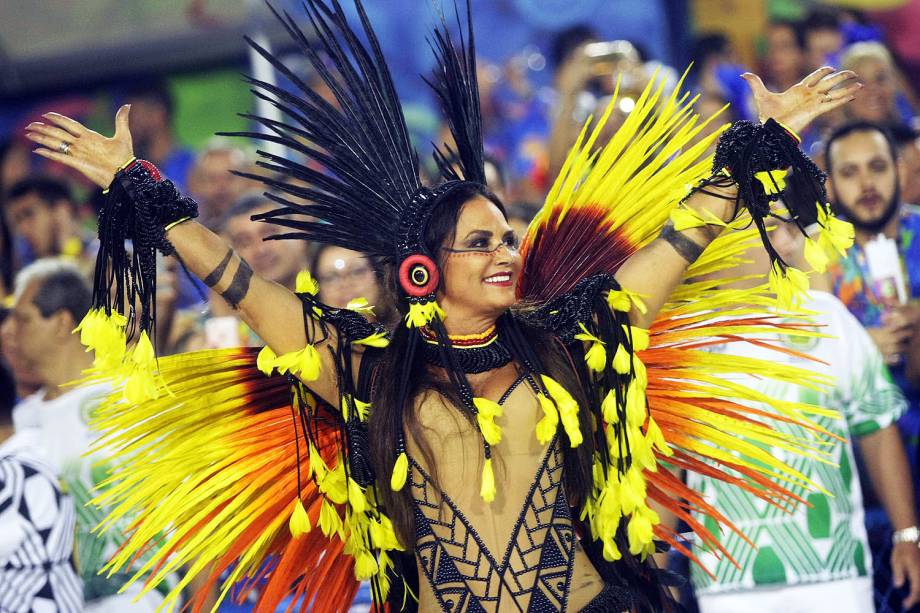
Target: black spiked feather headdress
367,196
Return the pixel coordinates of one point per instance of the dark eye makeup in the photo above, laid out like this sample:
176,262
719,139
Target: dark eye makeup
481,240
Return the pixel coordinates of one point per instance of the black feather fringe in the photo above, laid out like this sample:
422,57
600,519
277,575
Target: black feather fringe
745,150
457,88
364,170
138,207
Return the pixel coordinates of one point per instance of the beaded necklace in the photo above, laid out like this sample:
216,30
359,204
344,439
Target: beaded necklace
474,353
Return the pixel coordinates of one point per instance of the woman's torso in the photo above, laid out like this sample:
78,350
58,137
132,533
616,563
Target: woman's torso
517,553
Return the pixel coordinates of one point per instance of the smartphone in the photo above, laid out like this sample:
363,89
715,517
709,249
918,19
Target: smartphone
616,59
611,51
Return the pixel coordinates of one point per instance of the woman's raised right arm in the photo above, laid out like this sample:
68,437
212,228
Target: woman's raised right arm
271,310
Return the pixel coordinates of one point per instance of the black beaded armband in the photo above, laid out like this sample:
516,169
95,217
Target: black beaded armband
156,199
561,315
138,205
758,158
349,325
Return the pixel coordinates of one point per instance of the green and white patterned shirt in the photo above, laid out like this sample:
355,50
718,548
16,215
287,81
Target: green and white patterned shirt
827,540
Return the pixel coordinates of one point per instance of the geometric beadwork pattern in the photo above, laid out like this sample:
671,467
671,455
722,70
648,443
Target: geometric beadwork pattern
534,573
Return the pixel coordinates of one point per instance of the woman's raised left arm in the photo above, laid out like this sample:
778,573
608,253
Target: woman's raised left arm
656,269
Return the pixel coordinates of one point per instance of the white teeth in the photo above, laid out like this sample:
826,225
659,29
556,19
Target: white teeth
498,279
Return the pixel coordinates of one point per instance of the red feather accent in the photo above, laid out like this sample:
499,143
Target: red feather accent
559,253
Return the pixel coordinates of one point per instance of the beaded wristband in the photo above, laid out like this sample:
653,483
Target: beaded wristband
147,189
172,225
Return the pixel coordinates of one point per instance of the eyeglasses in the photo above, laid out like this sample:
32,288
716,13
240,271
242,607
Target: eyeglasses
484,246
347,276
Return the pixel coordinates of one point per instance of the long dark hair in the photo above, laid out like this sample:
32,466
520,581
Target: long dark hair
7,266
530,349
6,252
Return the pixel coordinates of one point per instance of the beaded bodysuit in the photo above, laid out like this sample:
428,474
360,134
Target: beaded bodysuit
532,573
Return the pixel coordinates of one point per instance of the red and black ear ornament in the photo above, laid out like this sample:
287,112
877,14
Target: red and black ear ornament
419,278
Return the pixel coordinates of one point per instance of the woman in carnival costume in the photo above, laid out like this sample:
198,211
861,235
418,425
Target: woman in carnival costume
499,449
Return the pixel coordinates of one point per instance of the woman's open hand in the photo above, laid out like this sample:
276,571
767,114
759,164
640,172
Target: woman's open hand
69,142
823,90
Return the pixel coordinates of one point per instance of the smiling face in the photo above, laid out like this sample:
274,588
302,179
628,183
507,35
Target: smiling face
480,267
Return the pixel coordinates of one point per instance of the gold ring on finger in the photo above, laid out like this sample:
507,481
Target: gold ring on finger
64,147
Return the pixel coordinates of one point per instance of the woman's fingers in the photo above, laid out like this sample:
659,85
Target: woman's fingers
53,143
52,136
51,132
832,104
66,123
838,97
121,122
66,141
831,81
755,83
832,91
844,92
813,79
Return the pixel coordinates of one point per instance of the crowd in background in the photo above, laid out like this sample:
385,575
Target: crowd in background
48,215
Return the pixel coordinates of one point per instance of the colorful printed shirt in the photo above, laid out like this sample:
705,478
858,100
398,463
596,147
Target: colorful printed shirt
850,274
850,284
826,541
